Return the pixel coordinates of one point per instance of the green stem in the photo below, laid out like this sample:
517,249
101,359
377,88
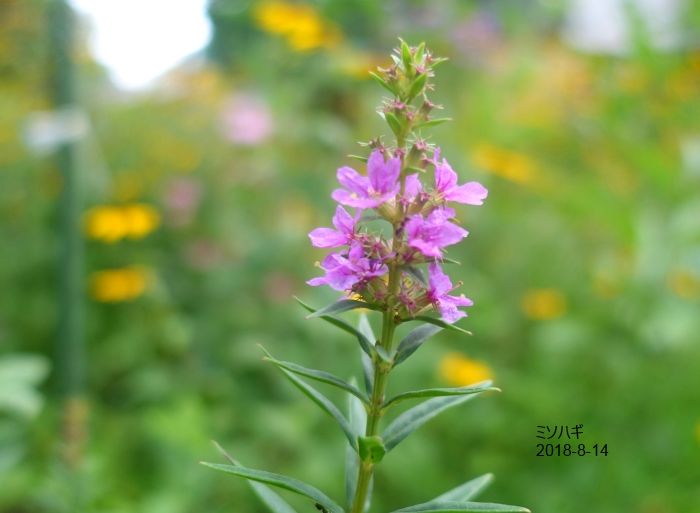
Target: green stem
381,373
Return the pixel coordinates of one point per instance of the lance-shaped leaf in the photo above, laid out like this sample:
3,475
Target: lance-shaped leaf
324,403
414,340
318,375
384,83
280,481
339,323
367,365
437,322
432,122
412,419
271,499
466,491
357,418
341,306
442,392
462,507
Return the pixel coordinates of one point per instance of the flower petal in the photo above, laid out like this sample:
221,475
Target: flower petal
351,199
344,222
352,180
471,193
327,238
412,187
382,175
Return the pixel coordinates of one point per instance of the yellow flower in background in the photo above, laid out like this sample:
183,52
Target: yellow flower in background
543,304
300,24
684,283
110,224
114,285
458,370
510,165
140,220
697,431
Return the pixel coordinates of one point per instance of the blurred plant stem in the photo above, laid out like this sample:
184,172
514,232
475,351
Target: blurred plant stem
70,365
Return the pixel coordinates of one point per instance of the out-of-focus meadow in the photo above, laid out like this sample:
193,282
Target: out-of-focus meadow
196,198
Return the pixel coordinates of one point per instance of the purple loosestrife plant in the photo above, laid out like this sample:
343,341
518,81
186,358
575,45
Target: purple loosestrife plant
387,275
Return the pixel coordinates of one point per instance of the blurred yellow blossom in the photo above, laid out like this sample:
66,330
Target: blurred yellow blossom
458,370
507,164
112,223
543,304
300,24
684,283
114,285
697,431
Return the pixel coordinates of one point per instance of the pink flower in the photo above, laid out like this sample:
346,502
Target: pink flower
470,193
343,234
429,235
439,287
343,272
246,120
379,186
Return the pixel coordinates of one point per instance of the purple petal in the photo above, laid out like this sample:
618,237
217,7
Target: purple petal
439,282
351,179
383,176
445,177
344,222
327,238
449,312
351,199
412,187
448,234
317,282
471,193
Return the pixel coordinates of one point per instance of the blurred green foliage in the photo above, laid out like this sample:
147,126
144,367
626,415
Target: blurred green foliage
584,263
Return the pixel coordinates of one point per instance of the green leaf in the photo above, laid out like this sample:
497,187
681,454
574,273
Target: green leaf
367,365
383,354
359,157
318,375
339,323
324,403
412,419
416,88
371,449
394,123
406,56
461,507
341,306
442,392
432,122
466,491
383,83
280,481
357,418
272,500
414,340
438,322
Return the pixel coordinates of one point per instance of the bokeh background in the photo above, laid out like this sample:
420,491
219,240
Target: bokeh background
193,195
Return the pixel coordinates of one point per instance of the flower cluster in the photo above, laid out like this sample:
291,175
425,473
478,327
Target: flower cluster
386,271
423,227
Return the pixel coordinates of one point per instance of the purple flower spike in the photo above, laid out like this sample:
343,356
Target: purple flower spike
438,293
379,186
470,193
343,272
342,235
429,235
